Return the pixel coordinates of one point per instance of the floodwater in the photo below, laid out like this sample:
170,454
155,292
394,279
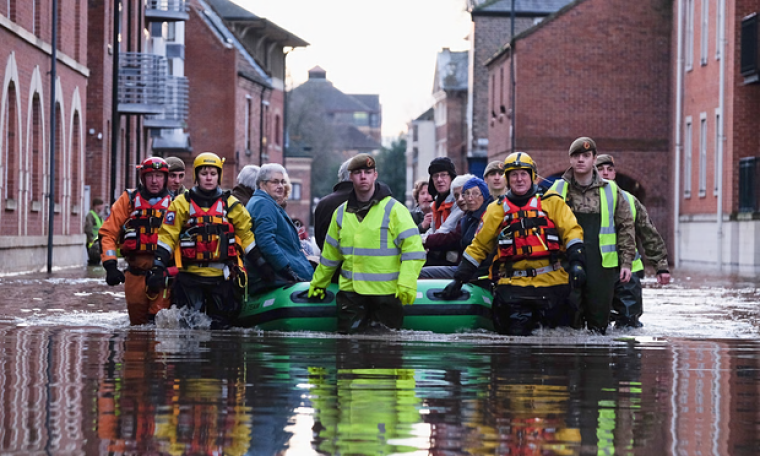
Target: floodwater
75,379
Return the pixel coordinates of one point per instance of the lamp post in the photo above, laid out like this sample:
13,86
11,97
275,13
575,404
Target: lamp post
51,193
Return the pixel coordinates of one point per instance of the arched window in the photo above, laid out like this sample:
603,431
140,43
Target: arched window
59,178
35,222
76,169
277,132
12,169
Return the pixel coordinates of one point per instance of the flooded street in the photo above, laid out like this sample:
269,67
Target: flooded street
75,379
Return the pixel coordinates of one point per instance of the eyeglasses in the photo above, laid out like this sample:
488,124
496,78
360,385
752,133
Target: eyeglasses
469,194
441,175
277,182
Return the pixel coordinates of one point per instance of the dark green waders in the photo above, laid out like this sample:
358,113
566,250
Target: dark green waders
596,296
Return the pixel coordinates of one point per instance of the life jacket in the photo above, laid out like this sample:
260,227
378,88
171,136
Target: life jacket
527,233
140,232
208,235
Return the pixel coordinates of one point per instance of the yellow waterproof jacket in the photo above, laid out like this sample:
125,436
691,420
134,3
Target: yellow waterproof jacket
377,254
486,241
174,224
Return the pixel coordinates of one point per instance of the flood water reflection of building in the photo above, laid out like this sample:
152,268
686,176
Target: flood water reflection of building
68,391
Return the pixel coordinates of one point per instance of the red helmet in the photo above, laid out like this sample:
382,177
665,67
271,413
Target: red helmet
152,164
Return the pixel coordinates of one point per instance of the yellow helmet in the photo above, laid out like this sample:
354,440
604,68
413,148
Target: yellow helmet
208,159
520,160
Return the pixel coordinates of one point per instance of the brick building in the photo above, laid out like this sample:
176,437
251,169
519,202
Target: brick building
450,108
420,151
235,62
491,30
715,142
25,116
603,83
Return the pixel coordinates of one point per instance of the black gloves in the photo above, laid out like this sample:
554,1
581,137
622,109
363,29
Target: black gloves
257,261
113,275
158,276
291,275
576,255
452,291
465,271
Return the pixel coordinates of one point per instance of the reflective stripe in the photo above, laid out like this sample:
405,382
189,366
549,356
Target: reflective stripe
329,263
381,252
165,246
572,242
339,218
369,276
469,258
638,264
413,256
329,239
608,248
560,186
607,234
249,248
406,234
111,252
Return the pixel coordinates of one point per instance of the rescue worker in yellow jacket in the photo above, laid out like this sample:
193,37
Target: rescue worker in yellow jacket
627,304
601,210
374,241
532,233
132,227
199,230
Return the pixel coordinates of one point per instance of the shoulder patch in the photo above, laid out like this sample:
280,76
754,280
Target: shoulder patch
169,217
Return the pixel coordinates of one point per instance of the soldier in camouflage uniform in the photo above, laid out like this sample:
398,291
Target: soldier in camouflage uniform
608,232
627,304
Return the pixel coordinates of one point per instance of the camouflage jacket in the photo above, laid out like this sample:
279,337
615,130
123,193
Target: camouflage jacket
586,200
653,245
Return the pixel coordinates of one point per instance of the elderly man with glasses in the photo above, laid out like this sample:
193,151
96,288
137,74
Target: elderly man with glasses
281,259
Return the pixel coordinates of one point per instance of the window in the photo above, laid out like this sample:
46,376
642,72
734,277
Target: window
704,32
689,57
248,108
716,171
295,193
10,154
749,49
687,159
361,119
702,154
277,133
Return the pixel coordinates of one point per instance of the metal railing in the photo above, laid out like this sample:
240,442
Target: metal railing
166,10
142,83
176,104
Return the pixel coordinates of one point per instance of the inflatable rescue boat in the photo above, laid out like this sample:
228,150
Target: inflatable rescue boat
290,309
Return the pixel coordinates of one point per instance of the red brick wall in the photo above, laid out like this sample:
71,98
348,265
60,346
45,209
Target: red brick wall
490,34
603,83
211,68
31,63
456,129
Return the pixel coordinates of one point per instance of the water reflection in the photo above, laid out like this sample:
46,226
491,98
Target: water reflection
84,391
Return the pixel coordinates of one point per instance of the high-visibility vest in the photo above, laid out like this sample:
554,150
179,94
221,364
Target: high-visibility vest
638,264
371,255
95,227
607,234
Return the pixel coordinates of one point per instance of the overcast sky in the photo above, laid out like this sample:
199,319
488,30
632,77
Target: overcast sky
387,47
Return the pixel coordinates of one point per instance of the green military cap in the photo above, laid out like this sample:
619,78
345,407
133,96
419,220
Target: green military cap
361,161
582,144
604,159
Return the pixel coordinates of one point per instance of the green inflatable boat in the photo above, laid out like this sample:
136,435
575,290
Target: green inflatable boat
290,309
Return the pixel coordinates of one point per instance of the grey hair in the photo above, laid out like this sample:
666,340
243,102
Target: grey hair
248,176
459,181
344,175
267,171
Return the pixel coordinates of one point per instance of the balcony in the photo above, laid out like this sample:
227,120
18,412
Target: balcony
175,105
142,83
166,11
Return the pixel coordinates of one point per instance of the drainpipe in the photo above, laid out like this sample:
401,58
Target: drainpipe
721,132
678,145
115,99
512,70
51,193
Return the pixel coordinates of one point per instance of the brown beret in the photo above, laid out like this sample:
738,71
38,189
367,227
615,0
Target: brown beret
582,144
361,161
604,159
175,164
494,167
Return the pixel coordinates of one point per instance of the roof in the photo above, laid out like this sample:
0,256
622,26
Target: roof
351,138
451,69
228,39
427,115
232,12
326,95
371,101
522,7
